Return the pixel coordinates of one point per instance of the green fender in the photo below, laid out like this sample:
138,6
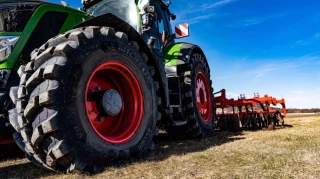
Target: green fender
180,53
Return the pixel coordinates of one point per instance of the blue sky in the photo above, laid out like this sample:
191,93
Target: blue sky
266,46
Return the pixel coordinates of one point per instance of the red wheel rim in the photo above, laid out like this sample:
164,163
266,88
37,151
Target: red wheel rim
203,96
119,128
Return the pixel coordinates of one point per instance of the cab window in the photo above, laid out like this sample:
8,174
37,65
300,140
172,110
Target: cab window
163,26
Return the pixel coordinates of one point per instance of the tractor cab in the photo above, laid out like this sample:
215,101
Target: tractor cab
156,24
156,18
124,9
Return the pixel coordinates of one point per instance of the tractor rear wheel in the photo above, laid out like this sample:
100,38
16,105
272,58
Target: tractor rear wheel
86,98
197,98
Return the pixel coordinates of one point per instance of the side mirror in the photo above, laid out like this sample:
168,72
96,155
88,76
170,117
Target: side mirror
173,17
182,31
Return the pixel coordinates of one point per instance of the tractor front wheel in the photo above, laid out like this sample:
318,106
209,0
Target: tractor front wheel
197,97
196,100
86,98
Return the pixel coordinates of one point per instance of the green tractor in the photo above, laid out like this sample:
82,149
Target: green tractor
24,26
100,92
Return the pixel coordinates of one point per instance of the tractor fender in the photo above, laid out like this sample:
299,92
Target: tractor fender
180,54
111,20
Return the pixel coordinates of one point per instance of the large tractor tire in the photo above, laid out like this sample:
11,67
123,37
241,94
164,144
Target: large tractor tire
196,100
86,99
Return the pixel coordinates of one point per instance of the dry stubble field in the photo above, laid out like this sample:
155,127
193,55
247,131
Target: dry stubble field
291,152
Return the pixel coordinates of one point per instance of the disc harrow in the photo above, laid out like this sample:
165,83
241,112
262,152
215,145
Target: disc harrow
253,113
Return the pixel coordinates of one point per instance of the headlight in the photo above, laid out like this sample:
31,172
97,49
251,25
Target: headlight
7,44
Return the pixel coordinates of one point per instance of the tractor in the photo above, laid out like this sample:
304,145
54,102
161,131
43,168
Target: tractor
24,26
100,92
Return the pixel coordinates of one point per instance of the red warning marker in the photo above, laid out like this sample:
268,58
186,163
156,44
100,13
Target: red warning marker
182,30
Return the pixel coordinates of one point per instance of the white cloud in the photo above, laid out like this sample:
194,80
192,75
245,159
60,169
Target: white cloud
195,20
307,41
303,42
250,22
317,35
198,12
258,68
263,70
272,65
298,92
214,5
254,20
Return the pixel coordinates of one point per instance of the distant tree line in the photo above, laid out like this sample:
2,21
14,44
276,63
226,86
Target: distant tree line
296,110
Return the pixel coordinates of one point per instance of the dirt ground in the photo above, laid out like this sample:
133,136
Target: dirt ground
289,152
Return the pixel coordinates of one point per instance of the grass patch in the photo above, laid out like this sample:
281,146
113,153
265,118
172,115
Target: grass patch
290,152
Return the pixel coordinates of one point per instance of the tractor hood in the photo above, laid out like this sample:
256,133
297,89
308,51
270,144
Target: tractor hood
15,14
26,25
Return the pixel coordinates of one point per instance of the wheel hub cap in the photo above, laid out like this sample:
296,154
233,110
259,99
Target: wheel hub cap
112,102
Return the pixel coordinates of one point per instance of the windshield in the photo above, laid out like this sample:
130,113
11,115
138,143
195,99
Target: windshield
125,9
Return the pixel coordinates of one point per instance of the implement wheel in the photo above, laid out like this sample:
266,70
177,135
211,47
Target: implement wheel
236,123
87,99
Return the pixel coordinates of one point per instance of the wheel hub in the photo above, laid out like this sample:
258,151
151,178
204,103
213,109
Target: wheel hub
203,96
112,102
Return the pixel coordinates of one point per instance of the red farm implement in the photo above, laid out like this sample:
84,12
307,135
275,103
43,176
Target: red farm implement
253,113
